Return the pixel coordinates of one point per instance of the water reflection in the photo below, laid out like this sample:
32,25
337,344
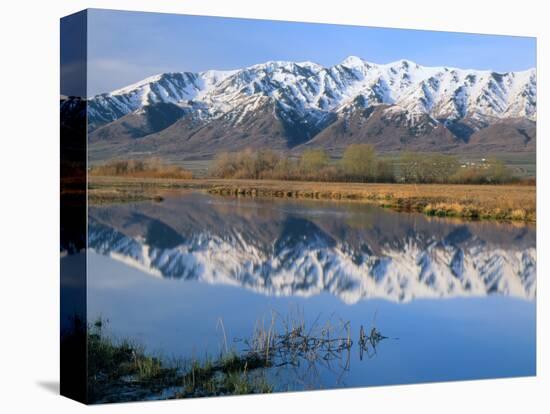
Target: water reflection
238,260
297,248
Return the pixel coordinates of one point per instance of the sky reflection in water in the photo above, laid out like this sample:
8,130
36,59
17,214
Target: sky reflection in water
460,297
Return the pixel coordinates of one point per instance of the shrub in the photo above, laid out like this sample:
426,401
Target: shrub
245,164
313,161
486,172
148,168
359,160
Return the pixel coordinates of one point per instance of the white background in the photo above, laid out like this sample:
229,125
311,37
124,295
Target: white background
29,207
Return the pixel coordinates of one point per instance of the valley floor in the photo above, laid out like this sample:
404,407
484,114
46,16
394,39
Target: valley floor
501,202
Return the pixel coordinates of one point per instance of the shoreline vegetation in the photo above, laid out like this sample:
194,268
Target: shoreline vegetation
107,195
500,202
149,168
433,184
123,370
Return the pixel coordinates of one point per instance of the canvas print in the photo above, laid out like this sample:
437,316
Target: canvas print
254,206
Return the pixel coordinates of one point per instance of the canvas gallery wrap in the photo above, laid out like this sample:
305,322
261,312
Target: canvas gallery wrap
255,206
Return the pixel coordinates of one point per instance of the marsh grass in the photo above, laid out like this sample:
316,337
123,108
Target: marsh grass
123,367
290,341
231,374
122,370
117,195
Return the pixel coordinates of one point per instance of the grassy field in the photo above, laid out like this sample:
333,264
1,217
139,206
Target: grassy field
501,202
521,165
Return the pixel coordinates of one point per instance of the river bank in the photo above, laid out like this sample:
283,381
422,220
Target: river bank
500,202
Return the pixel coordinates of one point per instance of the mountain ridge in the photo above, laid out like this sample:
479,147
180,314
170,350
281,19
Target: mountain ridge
307,98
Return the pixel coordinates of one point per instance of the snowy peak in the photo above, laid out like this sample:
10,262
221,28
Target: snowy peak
354,62
177,88
306,90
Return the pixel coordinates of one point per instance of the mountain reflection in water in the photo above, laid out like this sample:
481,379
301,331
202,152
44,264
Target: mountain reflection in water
303,248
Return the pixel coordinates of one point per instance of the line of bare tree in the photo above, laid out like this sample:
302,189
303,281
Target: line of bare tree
145,168
360,163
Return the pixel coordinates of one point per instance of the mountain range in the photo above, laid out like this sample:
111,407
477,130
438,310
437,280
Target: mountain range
290,106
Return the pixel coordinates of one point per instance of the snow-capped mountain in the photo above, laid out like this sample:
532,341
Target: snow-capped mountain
276,252
176,88
307,97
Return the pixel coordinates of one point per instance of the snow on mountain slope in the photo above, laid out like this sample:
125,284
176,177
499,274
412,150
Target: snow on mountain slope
309,91
164,88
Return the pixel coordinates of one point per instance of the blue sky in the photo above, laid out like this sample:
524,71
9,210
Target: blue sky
124,47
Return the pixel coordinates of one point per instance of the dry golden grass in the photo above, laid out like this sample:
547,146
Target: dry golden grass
117,195
503,202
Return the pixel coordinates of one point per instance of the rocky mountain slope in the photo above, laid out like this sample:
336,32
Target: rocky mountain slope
286,105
